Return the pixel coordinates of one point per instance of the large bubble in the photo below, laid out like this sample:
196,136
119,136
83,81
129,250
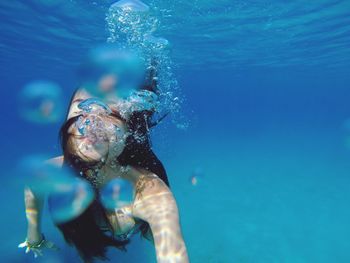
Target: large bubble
112,70
131,6
43,177
70,200
128,21
156,43
41,102
68,194
117,194
141,100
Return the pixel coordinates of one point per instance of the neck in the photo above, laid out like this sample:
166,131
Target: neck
112,169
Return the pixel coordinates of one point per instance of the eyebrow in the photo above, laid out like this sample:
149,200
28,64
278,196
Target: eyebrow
77,100
73,119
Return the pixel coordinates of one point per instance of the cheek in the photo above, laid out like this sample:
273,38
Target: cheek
89,151
117,144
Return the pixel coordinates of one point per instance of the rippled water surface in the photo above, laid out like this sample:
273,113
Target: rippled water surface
214,34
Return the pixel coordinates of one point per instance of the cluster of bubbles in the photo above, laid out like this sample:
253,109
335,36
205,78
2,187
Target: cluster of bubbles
92,125
69,195
140,100
90,122
41,102
130,24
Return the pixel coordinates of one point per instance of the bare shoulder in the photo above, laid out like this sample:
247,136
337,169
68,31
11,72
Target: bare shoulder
149,184
56,161
81,94
151,195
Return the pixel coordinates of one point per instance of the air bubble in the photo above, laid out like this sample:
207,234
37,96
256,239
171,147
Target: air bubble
35,172
117,194
41,102
196,177
113,71
156,42
70,200
130,6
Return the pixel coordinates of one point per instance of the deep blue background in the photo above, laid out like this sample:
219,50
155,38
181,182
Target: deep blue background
267,113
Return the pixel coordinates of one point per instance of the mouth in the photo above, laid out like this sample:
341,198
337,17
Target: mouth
92,140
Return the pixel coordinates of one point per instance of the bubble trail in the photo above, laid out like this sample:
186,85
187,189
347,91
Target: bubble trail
156,42
41,102
117,194
136,30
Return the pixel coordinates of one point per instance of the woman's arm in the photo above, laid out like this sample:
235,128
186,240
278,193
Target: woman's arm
33,205
155,204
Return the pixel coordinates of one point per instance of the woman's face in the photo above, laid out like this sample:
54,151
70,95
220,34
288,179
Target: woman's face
97,137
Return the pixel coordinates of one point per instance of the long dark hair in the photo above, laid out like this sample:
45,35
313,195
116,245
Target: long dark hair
83,232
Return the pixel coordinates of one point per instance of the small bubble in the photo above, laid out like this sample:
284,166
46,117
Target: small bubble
194,180
196,176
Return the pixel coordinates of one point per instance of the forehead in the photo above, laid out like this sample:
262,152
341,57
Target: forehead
81,95
108,121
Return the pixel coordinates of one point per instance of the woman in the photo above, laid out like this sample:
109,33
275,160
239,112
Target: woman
118,148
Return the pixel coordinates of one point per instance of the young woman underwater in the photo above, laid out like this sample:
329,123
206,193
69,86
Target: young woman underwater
101,144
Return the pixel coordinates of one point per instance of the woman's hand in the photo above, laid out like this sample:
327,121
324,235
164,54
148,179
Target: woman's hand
37,248
34,202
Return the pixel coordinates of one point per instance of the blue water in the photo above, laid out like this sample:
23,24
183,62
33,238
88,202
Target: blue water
266,88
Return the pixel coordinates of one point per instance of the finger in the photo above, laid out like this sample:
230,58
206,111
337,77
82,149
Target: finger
27,250
22,245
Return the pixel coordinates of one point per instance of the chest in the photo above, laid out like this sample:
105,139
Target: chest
120,223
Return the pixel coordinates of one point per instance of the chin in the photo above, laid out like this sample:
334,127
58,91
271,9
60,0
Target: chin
91,157
92,153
